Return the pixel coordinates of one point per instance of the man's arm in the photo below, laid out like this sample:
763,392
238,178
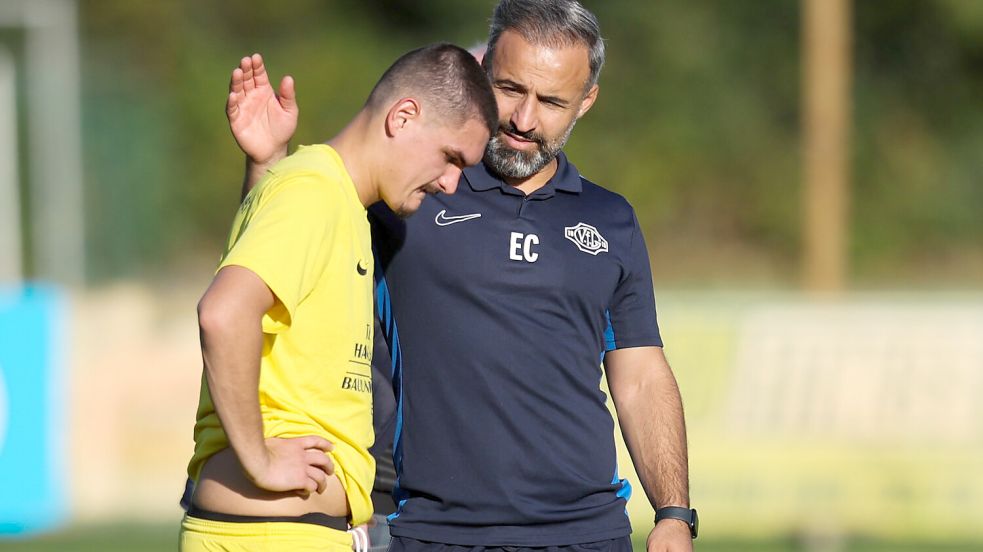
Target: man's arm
262,120
650,412
229,318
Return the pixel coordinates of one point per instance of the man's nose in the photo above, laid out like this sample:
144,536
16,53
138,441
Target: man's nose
448,181
524,115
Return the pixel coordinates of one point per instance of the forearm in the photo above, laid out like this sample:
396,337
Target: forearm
231,354
256,169
651,416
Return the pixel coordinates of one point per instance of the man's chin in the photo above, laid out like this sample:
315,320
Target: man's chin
510,163
403,212
410,206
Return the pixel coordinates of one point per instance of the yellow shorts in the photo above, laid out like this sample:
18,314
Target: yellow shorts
202,535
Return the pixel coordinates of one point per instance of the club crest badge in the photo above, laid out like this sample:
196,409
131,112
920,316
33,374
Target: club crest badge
586,238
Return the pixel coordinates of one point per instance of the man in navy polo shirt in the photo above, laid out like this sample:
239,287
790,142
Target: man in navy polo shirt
499,304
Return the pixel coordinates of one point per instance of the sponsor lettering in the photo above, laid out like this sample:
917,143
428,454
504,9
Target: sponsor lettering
363,352
360,384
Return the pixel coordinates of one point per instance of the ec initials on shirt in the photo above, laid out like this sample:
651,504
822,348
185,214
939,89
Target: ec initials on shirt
520,247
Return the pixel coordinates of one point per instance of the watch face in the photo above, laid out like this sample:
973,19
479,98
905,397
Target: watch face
694,523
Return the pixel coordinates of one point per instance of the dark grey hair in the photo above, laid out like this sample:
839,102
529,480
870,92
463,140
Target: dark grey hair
550,23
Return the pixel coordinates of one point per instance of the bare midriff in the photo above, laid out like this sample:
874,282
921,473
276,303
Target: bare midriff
223,487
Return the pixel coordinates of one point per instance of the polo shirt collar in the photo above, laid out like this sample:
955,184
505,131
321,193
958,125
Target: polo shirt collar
566,179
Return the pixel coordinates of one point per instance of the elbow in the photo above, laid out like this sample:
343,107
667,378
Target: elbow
644,387
215,317
628,393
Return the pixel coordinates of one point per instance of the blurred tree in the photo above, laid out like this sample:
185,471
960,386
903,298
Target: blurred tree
920,132
697,123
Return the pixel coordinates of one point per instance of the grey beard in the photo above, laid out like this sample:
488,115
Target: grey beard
512,163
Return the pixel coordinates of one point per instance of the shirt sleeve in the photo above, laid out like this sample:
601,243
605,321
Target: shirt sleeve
284,237
631,316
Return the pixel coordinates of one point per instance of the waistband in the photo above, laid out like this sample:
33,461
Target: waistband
313,518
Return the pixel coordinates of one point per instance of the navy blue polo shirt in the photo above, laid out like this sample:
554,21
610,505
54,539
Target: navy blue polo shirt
498,308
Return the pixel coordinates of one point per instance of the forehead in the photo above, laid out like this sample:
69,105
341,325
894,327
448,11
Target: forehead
466,140
553,70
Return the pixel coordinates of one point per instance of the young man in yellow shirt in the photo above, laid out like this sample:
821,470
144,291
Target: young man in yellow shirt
284,419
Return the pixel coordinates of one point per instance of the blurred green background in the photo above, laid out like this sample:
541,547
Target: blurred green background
699,124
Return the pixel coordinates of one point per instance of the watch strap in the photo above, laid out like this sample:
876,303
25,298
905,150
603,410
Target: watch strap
687,515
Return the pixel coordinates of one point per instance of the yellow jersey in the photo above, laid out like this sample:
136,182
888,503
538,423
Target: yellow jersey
305,233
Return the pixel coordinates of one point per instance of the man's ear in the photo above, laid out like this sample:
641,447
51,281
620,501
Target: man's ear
400,114
588,100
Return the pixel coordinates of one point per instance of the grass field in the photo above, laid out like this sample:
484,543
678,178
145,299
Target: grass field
158,538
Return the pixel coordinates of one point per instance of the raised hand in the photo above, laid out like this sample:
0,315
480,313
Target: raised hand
297,464
262,121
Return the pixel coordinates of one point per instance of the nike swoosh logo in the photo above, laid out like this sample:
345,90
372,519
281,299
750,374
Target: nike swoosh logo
443,220
360,269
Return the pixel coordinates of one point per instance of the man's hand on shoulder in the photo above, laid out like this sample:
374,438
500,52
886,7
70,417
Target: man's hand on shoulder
299,464
262,121
670,535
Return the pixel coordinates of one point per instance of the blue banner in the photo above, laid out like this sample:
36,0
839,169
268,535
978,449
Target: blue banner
33,493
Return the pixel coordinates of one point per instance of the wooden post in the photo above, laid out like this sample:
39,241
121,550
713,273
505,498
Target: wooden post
11,241
826,141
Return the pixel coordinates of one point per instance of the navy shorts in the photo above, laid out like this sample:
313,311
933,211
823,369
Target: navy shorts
404,544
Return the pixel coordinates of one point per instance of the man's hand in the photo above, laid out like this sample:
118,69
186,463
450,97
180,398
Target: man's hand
298,464
262,121
670,535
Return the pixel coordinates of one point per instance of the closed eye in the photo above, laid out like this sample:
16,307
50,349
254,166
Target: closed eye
553,101
455,158
509,87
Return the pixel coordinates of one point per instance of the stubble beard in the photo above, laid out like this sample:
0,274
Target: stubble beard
404,211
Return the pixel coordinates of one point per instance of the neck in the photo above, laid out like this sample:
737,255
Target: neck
352,145
536,181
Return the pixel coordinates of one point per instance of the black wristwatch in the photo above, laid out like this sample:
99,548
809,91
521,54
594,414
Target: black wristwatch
683,514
